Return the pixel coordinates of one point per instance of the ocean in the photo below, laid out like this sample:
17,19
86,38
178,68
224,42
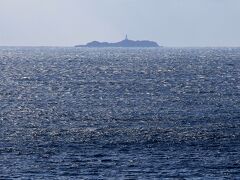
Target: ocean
120,113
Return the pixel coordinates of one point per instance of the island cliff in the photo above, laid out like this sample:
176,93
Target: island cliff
124,43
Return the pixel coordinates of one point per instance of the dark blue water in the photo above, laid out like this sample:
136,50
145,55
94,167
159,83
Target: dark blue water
69,113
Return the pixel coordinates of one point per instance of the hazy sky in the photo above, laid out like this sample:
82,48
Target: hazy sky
169,22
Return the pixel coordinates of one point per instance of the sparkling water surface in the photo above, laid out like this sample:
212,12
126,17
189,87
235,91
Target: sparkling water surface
79,113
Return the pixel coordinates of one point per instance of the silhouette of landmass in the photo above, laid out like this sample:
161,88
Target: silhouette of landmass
124,43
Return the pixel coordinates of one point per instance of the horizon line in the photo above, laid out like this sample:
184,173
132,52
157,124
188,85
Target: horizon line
161,46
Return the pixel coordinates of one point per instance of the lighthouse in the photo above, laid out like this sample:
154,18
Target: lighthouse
126,38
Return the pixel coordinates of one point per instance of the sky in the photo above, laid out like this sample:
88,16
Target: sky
176,23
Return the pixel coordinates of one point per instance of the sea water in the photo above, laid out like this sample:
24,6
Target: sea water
79,113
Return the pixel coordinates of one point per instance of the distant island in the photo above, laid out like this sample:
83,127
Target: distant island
124,43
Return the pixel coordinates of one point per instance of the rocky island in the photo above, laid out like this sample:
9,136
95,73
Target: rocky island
124,43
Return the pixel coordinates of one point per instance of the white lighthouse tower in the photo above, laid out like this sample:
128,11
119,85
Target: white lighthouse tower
126,38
